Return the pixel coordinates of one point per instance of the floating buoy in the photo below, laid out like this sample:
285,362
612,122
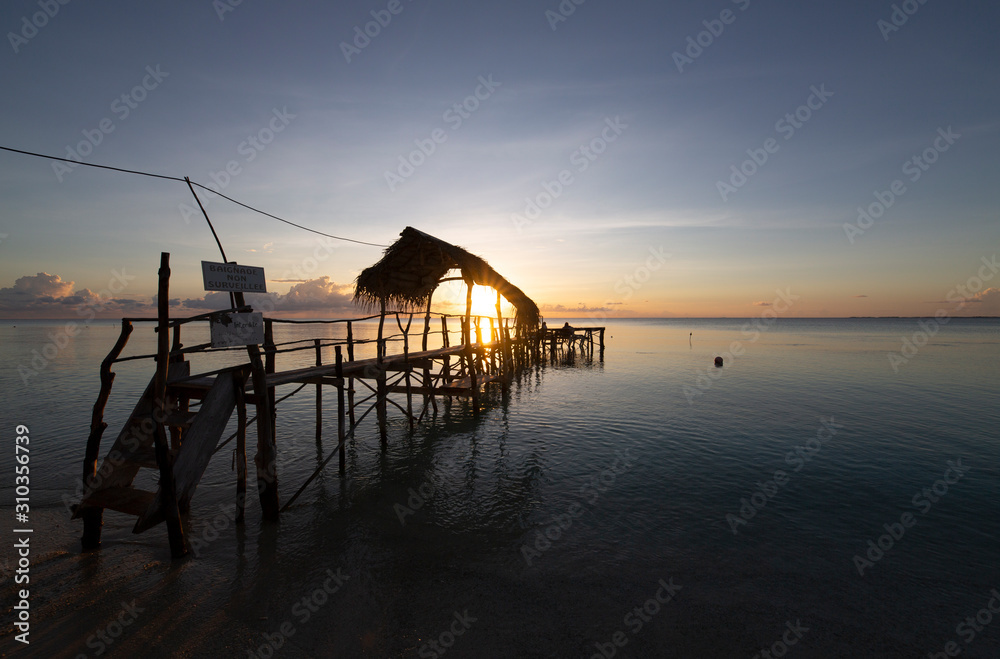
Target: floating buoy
718,361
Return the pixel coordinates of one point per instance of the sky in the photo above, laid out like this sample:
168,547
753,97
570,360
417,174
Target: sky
612,159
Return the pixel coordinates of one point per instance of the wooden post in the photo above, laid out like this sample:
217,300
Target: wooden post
350,380
269,347
427,321
93,518
381,324
494,342
446,369
319,392
175,530
463,363
428,398
381,392
409,386
524,341
467,328
177,345
406,363
504,340
469,357
269,367
513,350
480,351
508,359
177,434
239,380
266,459
341,432
527,337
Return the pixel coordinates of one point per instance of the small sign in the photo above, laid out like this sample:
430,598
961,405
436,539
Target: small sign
236,329
233,278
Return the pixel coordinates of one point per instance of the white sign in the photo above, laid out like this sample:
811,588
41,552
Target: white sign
236,329
233,278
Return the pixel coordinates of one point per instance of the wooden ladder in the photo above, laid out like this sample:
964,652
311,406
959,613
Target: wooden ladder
194,437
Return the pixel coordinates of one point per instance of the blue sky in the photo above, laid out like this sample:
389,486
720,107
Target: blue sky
643,225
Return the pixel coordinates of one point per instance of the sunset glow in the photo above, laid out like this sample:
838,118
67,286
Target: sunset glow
484,301
651,177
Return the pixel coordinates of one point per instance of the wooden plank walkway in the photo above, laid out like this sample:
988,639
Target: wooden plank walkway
359,367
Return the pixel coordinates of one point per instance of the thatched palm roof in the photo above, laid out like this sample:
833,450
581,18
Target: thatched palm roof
412,267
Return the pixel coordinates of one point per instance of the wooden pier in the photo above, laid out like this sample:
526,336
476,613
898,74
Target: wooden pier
178,423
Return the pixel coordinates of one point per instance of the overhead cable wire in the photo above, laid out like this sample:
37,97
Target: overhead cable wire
257,210
90,164
183,180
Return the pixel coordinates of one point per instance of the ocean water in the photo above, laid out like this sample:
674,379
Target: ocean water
811,498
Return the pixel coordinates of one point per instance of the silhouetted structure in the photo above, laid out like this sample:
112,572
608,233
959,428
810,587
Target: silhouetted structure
178,422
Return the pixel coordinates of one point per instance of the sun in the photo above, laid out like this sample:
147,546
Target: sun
484,301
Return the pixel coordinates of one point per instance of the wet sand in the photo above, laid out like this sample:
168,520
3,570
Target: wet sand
373,589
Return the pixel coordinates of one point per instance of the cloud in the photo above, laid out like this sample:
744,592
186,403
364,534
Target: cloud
49,296
318,297
267,248
317,294
860,296
219,300
44,295
983,303
562,308
987,302
40,286
762,304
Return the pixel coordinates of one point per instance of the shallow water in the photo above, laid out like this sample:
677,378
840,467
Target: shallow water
550,518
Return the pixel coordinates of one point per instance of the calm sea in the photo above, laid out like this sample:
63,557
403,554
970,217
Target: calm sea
832,491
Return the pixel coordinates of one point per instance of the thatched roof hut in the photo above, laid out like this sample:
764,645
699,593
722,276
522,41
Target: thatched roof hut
412,267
